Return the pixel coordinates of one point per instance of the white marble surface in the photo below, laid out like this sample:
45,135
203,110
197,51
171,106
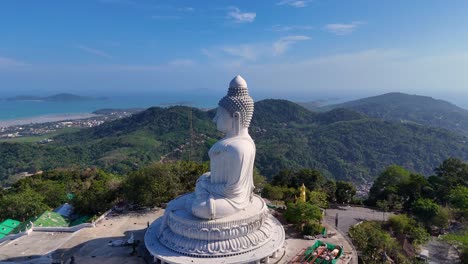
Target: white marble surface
162,252
238,81
222,221
228,187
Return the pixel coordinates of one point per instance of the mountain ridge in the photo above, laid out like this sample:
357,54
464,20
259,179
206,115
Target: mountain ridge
341,143
406,108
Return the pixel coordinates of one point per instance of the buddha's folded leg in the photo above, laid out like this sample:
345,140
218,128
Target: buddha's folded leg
201,206
223,208
212,208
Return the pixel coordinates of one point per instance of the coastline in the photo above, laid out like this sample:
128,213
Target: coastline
44,119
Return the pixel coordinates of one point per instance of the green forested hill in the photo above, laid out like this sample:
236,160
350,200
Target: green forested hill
346,144
407,108
341,143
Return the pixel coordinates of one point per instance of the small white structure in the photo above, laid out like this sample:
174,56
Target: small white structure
222,221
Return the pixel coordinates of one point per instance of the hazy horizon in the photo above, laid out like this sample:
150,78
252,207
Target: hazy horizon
188,96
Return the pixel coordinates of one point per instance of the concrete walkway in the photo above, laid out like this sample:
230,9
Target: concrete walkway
350,215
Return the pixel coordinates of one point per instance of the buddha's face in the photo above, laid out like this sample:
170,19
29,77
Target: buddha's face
223,120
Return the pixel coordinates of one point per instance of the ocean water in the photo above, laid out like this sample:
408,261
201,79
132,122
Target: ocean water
11,110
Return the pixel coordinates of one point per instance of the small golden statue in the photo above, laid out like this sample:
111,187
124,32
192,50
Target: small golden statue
302,197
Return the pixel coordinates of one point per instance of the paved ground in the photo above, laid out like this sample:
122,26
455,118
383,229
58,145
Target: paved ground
89,245
35,245
349,216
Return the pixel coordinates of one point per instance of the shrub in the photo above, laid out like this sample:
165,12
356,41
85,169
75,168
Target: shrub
300,213
312,228
403,224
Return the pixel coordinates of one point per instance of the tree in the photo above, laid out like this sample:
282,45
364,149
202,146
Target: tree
301,213
459,197
284,178
318,198
160,185
259,181
22,205
345,191
330,189
99,196
312,179
430,213
404,225
54,192
412,189
387,184
273,192
451,173
187,173
289,194
375,243
399,188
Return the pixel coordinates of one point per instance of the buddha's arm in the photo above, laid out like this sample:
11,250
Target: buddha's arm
239,181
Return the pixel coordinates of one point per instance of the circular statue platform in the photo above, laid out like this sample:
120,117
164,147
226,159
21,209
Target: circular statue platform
248,236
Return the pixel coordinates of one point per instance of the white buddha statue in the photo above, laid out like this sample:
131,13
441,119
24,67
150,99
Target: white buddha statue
222,220
228,187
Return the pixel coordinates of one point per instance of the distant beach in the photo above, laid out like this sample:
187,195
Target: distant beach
45,119
26,112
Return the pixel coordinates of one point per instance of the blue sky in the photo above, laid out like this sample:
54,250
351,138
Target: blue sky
298,50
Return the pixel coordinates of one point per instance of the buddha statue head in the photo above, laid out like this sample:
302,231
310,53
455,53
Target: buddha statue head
235,109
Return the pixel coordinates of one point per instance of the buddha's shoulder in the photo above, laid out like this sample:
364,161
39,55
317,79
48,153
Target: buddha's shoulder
234,145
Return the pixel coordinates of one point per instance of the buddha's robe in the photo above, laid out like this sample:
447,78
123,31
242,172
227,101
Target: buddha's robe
228,187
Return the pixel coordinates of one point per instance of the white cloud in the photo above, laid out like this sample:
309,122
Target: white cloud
295,3
280,46
241,17
10,64
94,51
343,29
283,28
245,51
254,51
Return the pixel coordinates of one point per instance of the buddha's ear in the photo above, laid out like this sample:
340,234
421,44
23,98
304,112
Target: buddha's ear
237,124
236,115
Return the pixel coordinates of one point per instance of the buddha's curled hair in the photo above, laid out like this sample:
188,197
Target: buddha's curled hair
239,100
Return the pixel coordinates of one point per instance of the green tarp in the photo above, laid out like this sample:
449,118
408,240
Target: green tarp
308,255
7,226
50,219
